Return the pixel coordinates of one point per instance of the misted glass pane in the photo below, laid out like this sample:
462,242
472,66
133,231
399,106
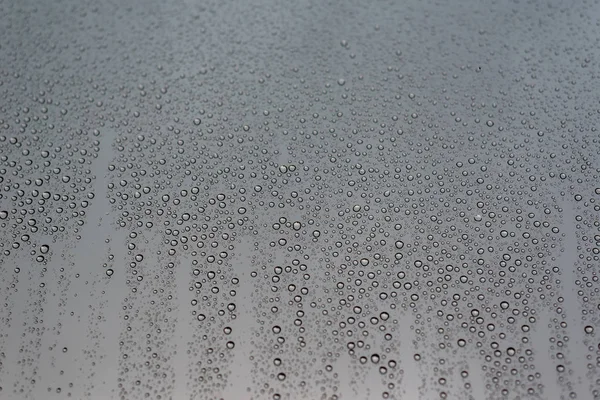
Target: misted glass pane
299,200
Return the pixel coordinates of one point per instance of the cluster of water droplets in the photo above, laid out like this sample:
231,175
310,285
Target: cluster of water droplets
372,206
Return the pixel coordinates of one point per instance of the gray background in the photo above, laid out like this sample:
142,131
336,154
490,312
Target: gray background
172,171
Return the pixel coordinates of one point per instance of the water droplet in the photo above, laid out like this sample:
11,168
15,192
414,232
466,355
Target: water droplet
589,329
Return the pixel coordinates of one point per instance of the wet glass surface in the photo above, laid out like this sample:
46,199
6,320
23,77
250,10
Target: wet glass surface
299,200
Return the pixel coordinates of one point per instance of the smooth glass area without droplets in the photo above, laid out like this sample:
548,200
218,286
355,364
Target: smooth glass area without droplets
299,200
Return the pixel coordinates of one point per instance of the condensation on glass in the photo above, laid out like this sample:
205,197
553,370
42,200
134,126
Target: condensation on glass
299,200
